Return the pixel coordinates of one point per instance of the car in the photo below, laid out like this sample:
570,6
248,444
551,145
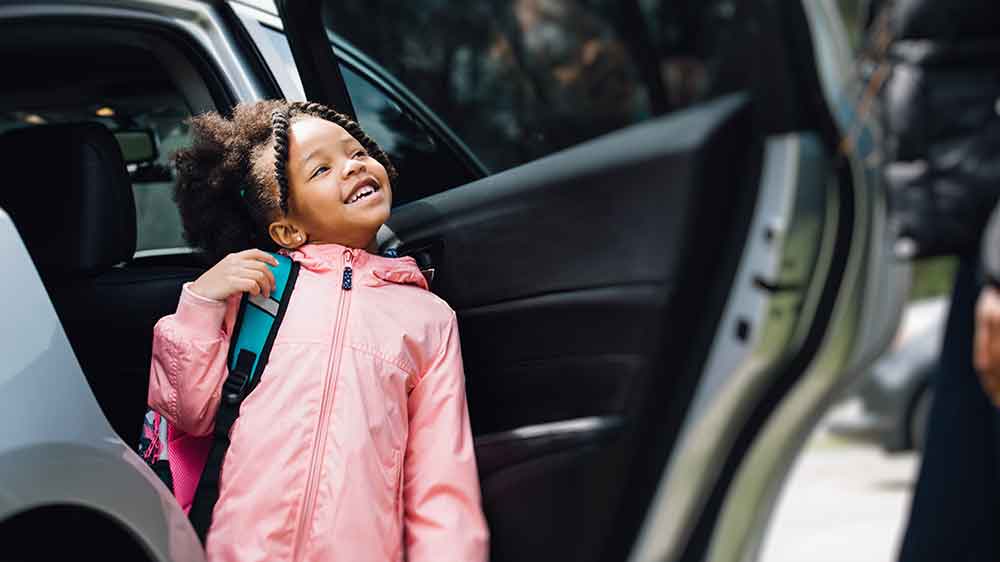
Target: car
895,396
660,224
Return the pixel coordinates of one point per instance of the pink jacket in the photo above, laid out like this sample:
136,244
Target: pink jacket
356,444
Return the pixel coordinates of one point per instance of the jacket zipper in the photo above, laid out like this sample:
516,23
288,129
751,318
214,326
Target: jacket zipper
329,383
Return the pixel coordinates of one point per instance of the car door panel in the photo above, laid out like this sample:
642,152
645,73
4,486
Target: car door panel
532,230
564,274
591,284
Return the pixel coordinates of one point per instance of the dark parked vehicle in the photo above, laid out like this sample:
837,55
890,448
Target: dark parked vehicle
895,395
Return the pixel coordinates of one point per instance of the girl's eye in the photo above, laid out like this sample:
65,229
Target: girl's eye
360,153
318,171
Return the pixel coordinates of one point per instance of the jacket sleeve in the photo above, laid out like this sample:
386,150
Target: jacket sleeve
990,257
443,516
189,362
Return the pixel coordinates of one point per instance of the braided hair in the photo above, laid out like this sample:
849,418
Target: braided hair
280,120
227,190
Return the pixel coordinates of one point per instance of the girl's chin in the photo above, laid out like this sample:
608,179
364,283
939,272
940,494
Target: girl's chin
369,214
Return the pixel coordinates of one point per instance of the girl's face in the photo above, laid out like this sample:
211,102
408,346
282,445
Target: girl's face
338,193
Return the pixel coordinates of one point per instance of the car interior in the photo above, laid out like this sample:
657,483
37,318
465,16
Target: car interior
588,284
74,198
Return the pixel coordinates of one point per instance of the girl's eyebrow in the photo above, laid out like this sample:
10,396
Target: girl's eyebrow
347,140
308,157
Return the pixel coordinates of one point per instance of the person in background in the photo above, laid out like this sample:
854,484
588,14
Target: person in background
942,170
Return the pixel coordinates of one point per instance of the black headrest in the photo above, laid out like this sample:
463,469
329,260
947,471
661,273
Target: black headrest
68,193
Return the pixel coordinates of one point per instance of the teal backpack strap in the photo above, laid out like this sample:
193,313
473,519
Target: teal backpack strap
256,327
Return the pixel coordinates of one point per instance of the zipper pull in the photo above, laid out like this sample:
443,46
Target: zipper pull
348,272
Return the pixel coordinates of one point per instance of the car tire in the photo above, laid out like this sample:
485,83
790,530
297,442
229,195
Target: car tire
919,414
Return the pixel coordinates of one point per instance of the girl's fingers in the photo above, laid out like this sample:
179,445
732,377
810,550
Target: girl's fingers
262,276
263,268
248,271
255,267
247,285
260,256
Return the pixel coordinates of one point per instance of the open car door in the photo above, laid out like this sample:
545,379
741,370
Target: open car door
653,319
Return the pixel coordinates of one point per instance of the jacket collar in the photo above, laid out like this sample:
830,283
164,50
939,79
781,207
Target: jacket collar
373,270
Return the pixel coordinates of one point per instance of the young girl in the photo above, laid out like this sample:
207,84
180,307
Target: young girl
355,445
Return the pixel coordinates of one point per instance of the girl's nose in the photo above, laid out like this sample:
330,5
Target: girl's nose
353,166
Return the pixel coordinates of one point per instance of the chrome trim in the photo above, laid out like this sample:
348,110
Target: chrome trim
163,252
553,429
429,273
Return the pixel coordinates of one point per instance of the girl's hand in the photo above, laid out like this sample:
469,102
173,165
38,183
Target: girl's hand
242,272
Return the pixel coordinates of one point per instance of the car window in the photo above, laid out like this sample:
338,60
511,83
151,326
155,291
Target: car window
700,47
425,165
125,105
520,79
515,79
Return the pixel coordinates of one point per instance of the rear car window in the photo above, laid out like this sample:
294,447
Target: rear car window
126,92
514,80
519,79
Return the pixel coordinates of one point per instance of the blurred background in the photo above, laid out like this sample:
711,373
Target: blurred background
848,496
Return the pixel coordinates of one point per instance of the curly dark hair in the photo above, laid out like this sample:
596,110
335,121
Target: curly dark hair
227,194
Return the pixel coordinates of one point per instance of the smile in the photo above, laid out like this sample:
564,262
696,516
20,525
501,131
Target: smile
367,188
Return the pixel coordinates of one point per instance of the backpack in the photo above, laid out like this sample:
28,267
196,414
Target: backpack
189,465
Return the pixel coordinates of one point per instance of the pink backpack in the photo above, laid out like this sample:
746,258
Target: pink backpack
177,457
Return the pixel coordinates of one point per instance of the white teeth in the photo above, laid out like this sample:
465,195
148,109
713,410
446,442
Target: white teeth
364,192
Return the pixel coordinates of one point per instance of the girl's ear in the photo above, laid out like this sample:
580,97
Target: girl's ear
286,234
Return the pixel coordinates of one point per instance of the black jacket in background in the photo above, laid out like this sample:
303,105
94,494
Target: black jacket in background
941,111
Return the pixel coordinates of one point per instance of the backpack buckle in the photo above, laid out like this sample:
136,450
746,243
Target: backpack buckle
236,383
